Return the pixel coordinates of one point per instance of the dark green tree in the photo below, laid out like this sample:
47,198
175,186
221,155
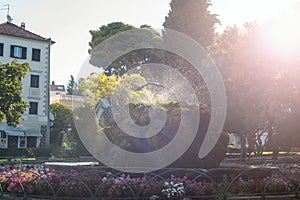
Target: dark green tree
63,116
106,31
192,18
53,82
248,84
71,85
261,88
64,120
101,55
287,131
12,105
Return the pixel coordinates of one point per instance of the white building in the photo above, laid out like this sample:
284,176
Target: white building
18,43
57,89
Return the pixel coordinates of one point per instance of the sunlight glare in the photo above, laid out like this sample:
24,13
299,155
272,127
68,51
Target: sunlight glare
281,34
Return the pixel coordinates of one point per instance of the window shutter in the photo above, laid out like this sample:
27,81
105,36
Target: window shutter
38,55
37,81
33,108
24,52
34,82
1,49
12,51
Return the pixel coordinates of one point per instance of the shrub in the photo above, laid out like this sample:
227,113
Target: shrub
140,115
277,184
39,152
13,152
256,185
240,186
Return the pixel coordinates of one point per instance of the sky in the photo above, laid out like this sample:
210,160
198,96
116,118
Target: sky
68,22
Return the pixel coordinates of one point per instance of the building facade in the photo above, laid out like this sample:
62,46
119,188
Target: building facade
57,89
18,43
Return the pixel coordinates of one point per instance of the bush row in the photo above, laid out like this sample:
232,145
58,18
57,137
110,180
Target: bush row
28,152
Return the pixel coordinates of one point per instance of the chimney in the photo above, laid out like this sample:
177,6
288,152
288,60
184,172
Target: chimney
23,25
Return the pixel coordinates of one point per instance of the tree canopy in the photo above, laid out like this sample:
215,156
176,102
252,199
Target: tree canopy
192,18
103,55
107,31
261,89
258,63
63,121
12,105
63,117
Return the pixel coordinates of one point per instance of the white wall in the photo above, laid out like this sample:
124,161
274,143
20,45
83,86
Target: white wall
39,95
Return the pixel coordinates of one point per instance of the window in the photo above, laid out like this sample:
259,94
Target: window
1,49
22,142
12,142
36,54
2,134
18,52
34,81
33,109
31,142
3,139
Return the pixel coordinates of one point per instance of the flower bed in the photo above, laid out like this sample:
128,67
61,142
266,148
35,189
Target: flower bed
39,181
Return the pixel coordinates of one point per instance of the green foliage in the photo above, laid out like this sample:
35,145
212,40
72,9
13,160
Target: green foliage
96,87
127,90
248,84
288,132
13,152
139,113
107,31
12,105
192,18
103,55
88,86
63,116
71,85
105,86
262,90
39,152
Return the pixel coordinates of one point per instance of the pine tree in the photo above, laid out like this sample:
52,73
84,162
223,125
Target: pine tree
70,86
192,18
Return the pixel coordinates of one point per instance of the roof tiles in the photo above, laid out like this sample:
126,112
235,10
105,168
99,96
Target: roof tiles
11,29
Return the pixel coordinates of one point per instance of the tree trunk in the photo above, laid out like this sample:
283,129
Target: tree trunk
273,144
243,147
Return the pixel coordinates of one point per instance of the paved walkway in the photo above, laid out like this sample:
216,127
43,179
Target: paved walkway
72,163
